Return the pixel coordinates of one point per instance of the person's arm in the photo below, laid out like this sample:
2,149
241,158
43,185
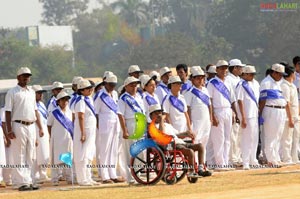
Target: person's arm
261,106
233,107
289,115
49,130
10,133
186,134
242,110
81,126
39,124
215,121
188,121
123,126
7,140
189,113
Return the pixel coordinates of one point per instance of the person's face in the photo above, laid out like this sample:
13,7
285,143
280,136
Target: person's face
135,74
211,75
63,102
23,79
198,80
248,76
87,91
165,77
56,91
150,87
156,115
38,96
131,88
237,70
176,87
110,86
297,67
181,73
276,76
222,71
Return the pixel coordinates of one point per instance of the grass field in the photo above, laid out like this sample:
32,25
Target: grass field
260,183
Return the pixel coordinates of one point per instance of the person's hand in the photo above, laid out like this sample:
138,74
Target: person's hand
291,124
11,135
243,124
7,142
190,134
36,143
41,133
125,134
215,121
82,139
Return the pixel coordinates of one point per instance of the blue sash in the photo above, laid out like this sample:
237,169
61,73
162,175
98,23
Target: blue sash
132,103
150,100
140,91
186,86
270,94
201,95
109,102
75,95
165,88
64,121
220,86
50,101
177,103
0,122
87,102
249,90
96,95
42,110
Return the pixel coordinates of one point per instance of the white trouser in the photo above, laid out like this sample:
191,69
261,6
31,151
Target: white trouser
108,140
3,155
62,170
286,143
249,140
235,143
7,171
296,141
22,153
40,171
274,120
210,160
220,135
83,171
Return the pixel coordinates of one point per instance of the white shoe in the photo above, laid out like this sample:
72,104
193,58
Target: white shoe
94,182
85,184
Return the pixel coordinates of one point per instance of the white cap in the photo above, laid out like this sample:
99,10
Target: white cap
111,79
120,88
174,79
197,72
153,74
145,79
62,94
212,69
221,63
38,88
57,85
155,107
164,70
195,68
107,73
84,84
278,68
76,79
249,69
24,70
130,80
134,68
235,62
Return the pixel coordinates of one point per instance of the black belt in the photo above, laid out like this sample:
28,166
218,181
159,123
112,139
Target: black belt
280,107
23,122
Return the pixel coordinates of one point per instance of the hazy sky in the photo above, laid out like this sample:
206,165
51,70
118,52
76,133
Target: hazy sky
22,13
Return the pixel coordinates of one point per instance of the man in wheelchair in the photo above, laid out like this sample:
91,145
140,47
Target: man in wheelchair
187,149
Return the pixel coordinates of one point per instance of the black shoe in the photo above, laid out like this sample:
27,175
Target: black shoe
204,173
34,187
25,188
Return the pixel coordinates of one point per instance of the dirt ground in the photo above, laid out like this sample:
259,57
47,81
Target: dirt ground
257,183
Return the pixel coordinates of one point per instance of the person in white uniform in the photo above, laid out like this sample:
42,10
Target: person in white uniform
272,110
60,128
106,108
223,99
156,75
175,106
199,108
182,72
20,115
289,91
135,71
84,134
3,155
56,88
149,97
162,89
75,81
128,104
42,149
247,94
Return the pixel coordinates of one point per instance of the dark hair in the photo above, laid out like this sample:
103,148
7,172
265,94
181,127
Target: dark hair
296,60
122,91
169,86
284,63
268,71
184,66
230,68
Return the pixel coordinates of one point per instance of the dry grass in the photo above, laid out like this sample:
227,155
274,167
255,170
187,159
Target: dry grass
264,183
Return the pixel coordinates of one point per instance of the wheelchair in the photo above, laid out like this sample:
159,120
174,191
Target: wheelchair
157,163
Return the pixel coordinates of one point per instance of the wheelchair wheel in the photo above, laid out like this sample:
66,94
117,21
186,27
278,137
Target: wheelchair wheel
192,180
169,179
148,167
181,166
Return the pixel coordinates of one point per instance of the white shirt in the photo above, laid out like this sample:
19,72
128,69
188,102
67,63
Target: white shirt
218,100
250,107
42,118
21,103
269,83
170,130
178,119
89,117
234,80
146,105
52,104
125,110
297,83
160,92
102,109
198,108
289,92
